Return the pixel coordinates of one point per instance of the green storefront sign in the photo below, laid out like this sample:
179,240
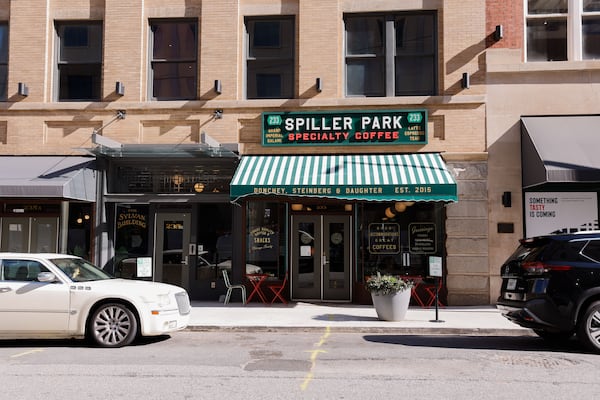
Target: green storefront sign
344,128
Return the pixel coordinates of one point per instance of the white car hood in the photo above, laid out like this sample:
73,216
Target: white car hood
130,287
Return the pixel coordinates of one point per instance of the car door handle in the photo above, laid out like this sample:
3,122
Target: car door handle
5,289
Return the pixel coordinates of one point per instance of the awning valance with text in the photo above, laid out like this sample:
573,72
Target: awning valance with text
366,177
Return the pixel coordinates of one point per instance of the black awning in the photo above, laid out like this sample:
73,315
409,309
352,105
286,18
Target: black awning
560,149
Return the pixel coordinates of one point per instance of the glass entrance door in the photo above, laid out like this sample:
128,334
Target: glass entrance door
171,249
321,250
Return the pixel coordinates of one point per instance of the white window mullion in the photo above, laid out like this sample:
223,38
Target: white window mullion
390,59
574,31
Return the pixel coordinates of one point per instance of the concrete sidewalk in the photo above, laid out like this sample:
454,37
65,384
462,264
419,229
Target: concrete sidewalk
482,320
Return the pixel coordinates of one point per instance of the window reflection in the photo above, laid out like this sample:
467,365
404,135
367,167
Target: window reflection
174,60
79,60
399,239
265,230
369,52
270,58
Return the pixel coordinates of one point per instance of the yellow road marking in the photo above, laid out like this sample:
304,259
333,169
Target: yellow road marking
27,353
314,353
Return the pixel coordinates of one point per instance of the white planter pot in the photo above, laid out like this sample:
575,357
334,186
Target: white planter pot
391,307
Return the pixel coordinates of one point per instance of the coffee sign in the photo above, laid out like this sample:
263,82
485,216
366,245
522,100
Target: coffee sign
384,238
344,128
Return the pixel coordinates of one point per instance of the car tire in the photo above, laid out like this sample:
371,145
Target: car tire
588,327
554,337
113,325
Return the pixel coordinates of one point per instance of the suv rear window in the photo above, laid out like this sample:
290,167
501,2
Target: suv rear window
592,250
546,250
564,251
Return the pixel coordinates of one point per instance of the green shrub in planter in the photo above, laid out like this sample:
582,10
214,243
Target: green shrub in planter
387,284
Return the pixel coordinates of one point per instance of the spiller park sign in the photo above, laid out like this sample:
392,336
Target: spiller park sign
344,128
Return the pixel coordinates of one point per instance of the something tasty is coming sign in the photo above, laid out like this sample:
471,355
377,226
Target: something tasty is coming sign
344,128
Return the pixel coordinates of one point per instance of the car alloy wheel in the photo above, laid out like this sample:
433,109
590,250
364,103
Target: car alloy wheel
589,327
113,325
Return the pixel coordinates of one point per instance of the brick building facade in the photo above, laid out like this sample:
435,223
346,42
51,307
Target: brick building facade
158,173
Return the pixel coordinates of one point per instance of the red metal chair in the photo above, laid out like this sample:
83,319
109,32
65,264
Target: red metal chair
277,290
431,289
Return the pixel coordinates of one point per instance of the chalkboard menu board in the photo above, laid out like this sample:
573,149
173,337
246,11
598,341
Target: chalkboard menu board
422,238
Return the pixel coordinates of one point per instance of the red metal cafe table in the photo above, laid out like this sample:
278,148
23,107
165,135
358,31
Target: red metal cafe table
423,291
256,280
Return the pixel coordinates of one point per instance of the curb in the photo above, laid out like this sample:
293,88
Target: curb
386,330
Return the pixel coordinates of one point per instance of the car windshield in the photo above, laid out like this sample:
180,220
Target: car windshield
80,270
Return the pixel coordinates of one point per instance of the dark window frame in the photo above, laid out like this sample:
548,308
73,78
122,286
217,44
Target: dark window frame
79,62
3,61
269,57
173,64
387,60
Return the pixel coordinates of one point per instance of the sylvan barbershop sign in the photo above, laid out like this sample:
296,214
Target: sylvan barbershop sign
344,128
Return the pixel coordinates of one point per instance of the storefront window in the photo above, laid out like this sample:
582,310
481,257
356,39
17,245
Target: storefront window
214,240
265,234
210,177
78,238
131,238
399,238
29,227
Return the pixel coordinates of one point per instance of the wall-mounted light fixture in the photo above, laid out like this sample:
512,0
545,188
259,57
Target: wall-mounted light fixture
120,88
218,114
507,199
319,85
22,89
218,88
465,82
498,32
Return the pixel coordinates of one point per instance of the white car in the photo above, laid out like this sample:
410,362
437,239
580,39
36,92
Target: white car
63,296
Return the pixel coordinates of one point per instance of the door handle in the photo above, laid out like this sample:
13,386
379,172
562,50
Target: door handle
184,261
5,289
325,262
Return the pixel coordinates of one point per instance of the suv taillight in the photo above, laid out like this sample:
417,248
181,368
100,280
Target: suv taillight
538,267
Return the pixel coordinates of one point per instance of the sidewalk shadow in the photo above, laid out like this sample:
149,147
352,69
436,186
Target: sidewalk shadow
513,343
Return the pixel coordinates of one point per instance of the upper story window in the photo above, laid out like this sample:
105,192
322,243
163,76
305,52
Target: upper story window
270,58
391,55
3,60
561,30
174,59
79,60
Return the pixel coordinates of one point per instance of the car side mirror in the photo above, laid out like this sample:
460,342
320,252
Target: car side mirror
46,277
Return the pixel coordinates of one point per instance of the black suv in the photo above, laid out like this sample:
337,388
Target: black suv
551,284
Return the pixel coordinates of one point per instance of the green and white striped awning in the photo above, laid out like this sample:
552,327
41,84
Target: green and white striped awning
368,177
